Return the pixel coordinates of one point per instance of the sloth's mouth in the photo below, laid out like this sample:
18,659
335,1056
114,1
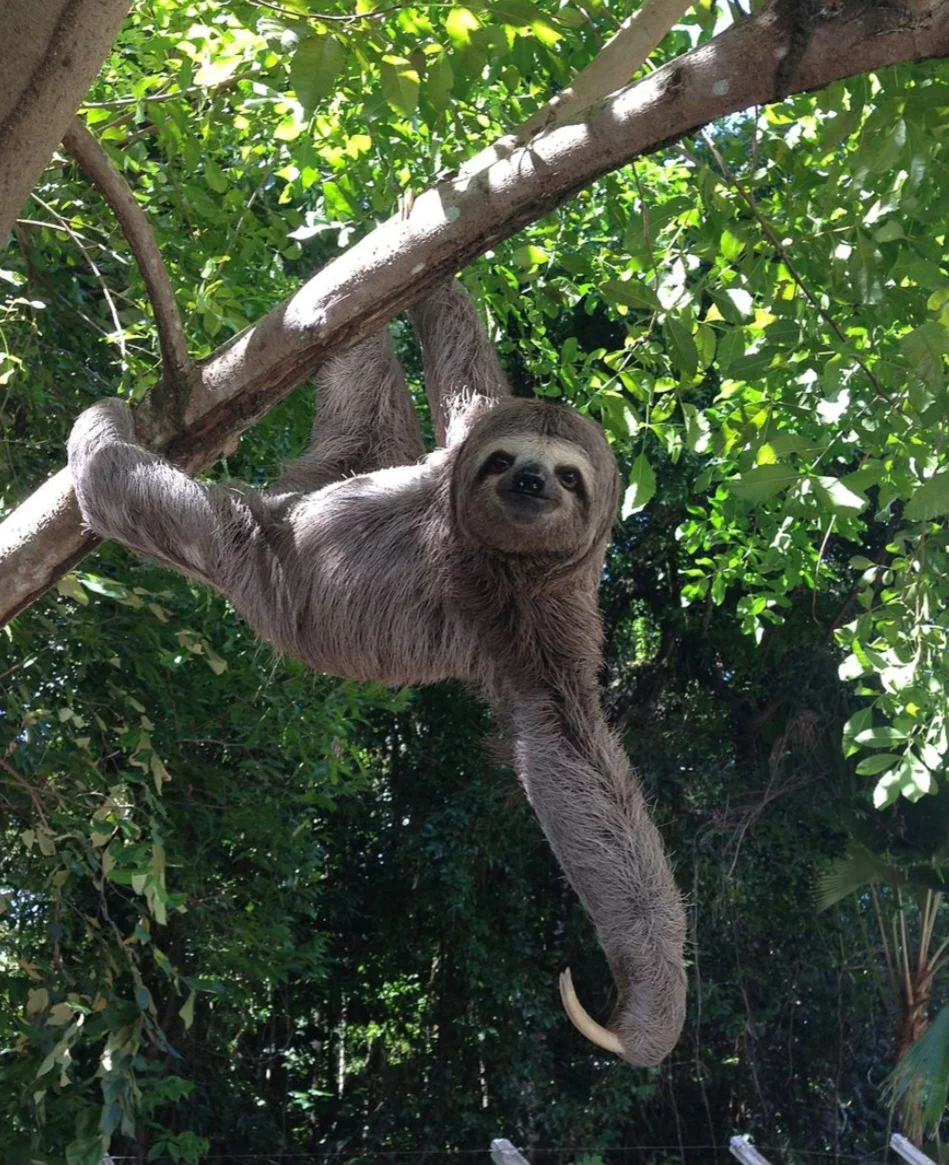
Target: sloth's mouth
526,506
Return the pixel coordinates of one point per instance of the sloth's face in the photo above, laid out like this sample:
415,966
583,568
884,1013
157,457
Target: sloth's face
538,478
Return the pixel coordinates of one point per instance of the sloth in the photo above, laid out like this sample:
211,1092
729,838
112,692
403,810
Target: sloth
478,562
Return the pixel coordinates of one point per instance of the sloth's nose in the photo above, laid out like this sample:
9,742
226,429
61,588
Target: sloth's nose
530,479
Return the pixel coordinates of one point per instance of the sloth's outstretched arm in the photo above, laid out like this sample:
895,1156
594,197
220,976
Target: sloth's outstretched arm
591,807
220,535
365,418
462,375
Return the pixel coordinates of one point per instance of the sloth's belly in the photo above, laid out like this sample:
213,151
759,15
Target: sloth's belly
378,634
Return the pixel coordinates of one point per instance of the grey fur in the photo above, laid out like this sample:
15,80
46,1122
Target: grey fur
422,568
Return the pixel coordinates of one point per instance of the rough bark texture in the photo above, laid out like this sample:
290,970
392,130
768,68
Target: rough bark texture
463,217
52,50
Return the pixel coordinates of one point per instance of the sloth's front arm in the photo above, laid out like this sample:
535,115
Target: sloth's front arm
222,536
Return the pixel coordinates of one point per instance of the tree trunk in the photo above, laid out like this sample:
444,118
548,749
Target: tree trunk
52,51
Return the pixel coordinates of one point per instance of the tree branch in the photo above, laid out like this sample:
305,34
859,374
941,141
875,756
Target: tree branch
609,71
463,217
177,367
611,68
52,50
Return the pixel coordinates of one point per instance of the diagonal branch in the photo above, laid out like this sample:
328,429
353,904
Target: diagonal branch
177,366
462,217
609,71
611,68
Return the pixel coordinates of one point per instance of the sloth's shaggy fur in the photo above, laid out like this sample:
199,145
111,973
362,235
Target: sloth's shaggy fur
478,562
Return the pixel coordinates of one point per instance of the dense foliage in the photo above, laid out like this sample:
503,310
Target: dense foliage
245,909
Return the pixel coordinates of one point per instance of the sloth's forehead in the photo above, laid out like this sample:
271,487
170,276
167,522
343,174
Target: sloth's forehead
548,449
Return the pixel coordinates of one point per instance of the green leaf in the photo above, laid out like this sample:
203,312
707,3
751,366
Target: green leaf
630,293
186,1011
215,176
400,84
730,246
915,778
923,1072
926,348
337,204
887,790
838,497
763,482
59,1014
698,431
517,13
439,82
881,737
931,499
871,765
314,67
740,300
848,875
857,723
530,256
866,264
460,24
682,346
37,1000
642,487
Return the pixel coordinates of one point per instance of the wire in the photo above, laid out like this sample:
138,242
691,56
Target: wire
323,1154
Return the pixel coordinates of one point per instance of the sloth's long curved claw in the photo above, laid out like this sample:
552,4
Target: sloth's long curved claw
585,1023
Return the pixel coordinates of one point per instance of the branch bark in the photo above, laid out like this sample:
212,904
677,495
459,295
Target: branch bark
462,217
612,67
52,50
609,71
177,366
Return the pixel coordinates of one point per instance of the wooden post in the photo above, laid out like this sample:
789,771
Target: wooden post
504,1153
745,1151
908,1151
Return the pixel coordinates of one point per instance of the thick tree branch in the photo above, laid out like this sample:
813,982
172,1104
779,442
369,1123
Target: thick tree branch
177,366
464,216
52,50
612,67
610,70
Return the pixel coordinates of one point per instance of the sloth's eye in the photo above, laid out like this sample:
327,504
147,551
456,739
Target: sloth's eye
569,478
499,462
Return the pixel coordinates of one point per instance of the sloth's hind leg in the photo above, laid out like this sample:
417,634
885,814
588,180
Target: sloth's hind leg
462,374
365,418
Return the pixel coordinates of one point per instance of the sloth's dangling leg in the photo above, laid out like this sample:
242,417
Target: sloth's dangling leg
365,419
462,375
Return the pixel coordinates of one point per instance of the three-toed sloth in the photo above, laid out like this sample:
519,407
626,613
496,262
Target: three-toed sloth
478,562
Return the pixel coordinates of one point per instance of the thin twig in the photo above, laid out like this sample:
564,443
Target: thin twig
345,18
177,365
890,966
905,948
170,95
933,902
647,229
25,785
113,310
55,226
820,559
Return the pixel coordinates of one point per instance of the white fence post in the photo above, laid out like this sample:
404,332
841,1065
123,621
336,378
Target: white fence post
504,1153
745,1151
908,1151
